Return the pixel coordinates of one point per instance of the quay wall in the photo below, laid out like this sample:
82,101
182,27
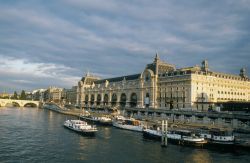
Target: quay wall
56,108
238,121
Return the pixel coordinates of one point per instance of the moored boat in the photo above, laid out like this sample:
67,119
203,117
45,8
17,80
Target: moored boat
182,137
81,127
217,136
103,120
152,133
127,123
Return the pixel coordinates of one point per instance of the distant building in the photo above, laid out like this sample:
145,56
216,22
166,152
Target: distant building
28,95
162,85
5,95
53,94
38,95
69,95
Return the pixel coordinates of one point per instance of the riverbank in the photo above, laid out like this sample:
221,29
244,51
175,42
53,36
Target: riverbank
242,141
146,120
58,109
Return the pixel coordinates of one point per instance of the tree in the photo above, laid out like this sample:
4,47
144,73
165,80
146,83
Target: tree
23,95
15,96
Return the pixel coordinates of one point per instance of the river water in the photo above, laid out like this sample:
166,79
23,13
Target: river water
37,135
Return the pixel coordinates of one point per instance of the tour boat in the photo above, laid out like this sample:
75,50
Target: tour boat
80,126
218,136
127,123
103,120
152,133
183,137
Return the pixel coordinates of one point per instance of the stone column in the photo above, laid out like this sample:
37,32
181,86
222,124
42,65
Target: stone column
206,120
118,99
193,119
95,97
182,119
140,99
110,98
152,94
220,121
128,100
102,99
235,123
172,116
89,103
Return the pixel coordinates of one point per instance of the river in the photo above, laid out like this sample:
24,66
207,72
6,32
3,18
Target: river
37,135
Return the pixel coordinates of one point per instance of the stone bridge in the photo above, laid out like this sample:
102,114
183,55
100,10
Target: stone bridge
20,103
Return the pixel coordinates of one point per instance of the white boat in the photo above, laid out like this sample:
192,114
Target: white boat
80,126
184,137
218,136
97,119
127,123
105,120
152,133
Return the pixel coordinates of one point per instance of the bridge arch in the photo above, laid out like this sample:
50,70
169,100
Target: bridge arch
18,103
12,103
30,104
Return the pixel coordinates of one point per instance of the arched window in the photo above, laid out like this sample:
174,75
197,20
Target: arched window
92,99
98,102
133,100
123,100
106,100
86,99
114,99
147,100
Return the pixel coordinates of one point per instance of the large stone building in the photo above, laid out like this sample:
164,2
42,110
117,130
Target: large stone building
69,95
53,94
38,95
163,86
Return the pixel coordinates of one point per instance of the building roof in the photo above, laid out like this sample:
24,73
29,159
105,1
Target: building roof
117,79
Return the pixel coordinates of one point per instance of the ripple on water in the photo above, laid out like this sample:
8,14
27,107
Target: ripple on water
33,135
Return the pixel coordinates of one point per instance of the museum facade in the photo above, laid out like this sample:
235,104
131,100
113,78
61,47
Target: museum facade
162,86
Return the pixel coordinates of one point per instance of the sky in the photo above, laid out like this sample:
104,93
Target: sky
55,42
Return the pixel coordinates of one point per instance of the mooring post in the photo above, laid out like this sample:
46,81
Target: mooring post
166,132
164,129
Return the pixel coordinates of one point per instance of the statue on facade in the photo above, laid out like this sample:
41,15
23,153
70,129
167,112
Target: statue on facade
243,73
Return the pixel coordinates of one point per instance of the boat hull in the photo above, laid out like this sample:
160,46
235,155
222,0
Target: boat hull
154,136
151,136
218,137
95,121
82,132
128,127
221,144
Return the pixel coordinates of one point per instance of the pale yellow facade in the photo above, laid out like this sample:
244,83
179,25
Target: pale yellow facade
55,94
162,86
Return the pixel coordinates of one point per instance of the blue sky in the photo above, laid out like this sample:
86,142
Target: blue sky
55,42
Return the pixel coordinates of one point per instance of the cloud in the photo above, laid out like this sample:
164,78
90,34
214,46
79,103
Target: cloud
20,74
49,39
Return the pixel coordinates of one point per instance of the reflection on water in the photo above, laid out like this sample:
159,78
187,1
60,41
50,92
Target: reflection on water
37,135
106,133
199,156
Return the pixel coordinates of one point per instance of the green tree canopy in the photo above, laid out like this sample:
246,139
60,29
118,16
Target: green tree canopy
23,95
15,96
